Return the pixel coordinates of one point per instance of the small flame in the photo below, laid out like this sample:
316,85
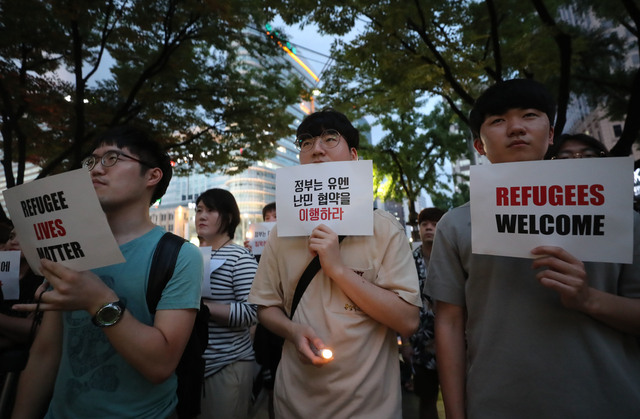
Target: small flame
326,353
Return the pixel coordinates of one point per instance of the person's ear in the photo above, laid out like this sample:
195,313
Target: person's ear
551,132
479,146
153,175
354,153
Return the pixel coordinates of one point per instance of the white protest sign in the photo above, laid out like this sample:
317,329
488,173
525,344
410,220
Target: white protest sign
209,266
59,218
10,274
337,194
259,233
582,205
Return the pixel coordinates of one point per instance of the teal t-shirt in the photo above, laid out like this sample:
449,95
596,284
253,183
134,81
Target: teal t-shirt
93,379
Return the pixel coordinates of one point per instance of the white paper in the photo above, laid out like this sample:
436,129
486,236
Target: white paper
10,274
582,205
59,218
210,265
337,194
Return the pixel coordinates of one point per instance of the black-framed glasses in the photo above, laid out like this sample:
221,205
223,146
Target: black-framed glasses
584,154
108,159
328,139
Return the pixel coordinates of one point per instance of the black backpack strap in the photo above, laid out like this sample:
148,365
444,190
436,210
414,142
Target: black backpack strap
162,266
312,269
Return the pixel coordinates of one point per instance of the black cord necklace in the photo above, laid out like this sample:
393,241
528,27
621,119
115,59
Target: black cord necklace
216,251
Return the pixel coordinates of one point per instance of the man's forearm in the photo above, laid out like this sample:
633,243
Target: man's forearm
451,357
380,304
621,313
37,380
274,319
154,351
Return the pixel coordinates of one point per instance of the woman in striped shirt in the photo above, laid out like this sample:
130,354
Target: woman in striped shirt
229,355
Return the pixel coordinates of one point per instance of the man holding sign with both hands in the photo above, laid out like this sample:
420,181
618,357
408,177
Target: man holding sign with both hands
365,291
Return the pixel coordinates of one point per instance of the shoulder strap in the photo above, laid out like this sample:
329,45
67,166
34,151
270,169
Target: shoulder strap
312,269
162,266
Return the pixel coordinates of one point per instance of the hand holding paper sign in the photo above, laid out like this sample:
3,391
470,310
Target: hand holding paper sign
71,290
564,274
567,276
324,242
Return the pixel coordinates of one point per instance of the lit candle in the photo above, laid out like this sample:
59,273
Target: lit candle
326,353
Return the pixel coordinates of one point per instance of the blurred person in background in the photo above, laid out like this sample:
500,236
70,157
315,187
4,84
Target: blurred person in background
229,355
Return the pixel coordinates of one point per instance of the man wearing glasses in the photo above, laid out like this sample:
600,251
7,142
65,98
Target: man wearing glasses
365,292
99,351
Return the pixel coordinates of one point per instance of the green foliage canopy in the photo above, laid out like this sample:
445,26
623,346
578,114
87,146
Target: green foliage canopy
193,72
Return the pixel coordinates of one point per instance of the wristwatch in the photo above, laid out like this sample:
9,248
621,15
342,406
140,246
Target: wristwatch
109,314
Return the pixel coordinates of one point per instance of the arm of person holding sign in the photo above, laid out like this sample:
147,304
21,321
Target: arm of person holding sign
152,350
37,379
383,305
566,275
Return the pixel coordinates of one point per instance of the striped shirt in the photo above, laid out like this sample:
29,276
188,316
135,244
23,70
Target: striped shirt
230,284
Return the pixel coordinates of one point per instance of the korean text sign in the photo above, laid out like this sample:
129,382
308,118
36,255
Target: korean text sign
337,194
59,218
582,205
259,233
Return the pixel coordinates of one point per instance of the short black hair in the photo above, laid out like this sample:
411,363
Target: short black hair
139,142
430,214
221,200
268,208
316,123
581,138
511,94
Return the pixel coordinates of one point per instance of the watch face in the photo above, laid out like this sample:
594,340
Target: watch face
109,314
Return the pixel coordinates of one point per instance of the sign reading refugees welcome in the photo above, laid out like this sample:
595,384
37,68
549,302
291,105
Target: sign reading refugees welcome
337,194
582,205
59,218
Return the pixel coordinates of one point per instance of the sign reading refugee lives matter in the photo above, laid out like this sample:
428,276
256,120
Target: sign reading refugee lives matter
337,194
59,218
582,205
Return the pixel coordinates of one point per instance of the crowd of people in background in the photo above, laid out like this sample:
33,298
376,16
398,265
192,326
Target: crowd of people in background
495,336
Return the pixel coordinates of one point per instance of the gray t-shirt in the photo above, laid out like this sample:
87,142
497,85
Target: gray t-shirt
528,356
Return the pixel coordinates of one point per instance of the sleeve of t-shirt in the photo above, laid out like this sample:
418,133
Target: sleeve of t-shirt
397,268
183,289
445,274
243,314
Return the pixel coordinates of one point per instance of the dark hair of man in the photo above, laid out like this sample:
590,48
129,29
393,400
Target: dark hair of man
430,214
221,200
511,94
138,142
318,122
268,208
585,139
